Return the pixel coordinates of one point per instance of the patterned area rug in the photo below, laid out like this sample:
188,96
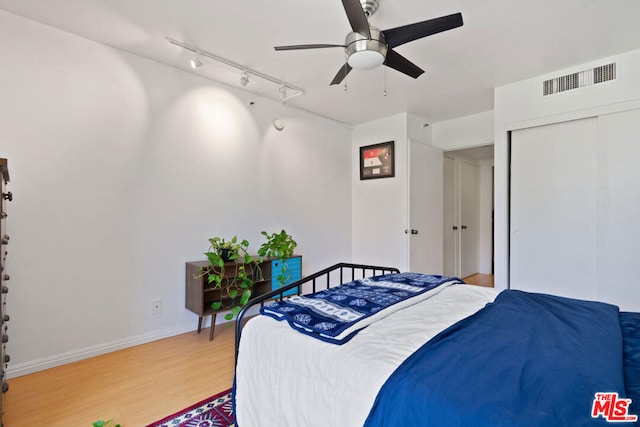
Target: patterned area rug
212,412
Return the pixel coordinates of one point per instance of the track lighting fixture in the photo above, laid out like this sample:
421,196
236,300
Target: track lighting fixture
246,71
196,62
244,80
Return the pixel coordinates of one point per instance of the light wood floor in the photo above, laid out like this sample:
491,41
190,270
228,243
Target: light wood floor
480,280
135,386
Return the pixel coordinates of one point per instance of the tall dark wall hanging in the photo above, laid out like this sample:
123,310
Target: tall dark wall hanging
377,161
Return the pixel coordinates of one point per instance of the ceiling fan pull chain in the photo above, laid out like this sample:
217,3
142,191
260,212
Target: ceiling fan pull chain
345,77
385,81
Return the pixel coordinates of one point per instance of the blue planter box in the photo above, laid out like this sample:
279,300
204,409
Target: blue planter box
293,272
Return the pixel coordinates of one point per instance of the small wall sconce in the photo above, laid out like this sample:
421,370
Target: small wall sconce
278,123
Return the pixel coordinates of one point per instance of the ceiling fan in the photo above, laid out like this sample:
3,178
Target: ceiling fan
367,47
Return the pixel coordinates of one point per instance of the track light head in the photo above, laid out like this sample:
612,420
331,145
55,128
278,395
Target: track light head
244,80
196,62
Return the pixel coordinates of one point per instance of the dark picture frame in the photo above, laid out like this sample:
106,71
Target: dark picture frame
378,161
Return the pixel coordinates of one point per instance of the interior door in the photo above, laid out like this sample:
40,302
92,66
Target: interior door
469,217
553,212
451,228
425,208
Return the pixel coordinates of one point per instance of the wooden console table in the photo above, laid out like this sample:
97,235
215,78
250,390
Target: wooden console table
199,294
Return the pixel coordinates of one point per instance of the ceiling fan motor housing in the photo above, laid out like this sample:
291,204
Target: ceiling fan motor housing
369,6
365,54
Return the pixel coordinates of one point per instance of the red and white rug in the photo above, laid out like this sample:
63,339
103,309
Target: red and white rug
215,411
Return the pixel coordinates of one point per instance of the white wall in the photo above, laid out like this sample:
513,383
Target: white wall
379,206
521,105
122,168
464,132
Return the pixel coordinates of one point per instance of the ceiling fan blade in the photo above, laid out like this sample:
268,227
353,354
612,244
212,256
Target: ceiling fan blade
401,35
357,17
306,46
402,64
342,73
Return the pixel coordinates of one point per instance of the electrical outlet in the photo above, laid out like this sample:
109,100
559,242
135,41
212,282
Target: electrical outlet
156,306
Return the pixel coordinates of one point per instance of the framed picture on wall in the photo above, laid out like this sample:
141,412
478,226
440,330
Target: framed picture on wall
377,161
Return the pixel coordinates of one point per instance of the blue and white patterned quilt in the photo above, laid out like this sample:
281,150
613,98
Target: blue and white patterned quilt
335,315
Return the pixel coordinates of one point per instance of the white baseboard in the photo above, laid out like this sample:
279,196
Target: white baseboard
87,352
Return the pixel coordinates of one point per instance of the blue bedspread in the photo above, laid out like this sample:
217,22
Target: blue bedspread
630,325
335,315
524,360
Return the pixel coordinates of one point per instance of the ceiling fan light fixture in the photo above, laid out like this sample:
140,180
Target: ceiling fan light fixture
365,54
366,59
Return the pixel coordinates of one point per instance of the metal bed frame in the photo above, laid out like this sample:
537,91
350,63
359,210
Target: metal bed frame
362,271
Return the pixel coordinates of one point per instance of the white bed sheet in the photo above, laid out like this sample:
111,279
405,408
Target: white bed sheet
285,378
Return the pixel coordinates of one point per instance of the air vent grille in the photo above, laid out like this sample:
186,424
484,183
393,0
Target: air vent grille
584,78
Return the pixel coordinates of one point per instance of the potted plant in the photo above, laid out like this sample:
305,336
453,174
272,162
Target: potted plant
281,246
102,423
238,284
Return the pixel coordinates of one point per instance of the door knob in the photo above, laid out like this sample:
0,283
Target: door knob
464,227
455,227
414,231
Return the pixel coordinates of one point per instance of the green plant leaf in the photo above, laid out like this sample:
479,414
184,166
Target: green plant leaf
99,423
240,279
212,257
278,245
246,294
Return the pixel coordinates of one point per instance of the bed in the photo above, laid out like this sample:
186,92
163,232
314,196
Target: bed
461,355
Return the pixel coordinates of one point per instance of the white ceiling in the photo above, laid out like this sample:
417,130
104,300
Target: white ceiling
502,41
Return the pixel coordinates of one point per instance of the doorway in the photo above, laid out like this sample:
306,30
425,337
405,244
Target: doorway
468,211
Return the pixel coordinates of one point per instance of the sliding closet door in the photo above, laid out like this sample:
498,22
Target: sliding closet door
553,212
619,214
